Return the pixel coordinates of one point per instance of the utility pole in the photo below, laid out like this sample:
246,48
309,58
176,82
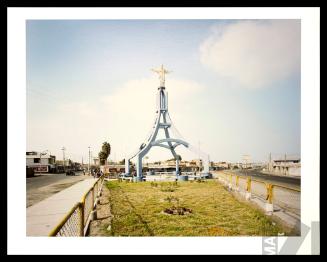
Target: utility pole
285,165
199,159
63,157
89,159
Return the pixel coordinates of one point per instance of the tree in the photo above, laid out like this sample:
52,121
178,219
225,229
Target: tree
104,153
102,157
106,148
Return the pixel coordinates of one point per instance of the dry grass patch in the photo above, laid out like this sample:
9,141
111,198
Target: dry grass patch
137,210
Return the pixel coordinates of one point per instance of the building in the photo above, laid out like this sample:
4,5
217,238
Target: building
62,166
219,165
40,162
287,165
246,162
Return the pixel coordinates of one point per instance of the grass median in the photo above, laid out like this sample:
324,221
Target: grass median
183,209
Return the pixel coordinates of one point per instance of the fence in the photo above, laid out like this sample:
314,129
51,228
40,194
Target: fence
76,221
286,198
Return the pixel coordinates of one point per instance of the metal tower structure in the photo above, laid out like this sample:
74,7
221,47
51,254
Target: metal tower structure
162,121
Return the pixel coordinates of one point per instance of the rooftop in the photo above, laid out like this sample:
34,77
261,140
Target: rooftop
34,154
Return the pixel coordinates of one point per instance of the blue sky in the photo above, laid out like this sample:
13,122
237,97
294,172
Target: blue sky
235,85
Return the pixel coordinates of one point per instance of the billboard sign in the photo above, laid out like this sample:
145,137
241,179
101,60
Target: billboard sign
39,169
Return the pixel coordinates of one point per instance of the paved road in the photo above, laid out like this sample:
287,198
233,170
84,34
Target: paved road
44,186
287,181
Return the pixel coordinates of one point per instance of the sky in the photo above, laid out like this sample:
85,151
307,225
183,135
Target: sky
234,89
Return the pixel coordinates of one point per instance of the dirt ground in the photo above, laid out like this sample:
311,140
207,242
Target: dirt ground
99,227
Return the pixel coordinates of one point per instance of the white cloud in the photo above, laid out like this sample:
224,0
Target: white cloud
255,53
123,118
83,109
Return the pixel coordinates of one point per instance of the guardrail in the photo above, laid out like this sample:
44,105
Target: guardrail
76,221
284,197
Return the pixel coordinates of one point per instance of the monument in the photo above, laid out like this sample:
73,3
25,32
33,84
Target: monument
163,121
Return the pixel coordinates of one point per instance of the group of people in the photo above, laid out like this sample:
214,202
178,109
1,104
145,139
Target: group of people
96,173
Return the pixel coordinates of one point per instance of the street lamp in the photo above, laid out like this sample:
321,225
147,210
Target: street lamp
89,160
42,154
63,157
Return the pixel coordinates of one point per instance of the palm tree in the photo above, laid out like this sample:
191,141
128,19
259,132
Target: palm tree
104,153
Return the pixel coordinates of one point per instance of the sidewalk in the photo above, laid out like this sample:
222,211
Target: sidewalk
42,217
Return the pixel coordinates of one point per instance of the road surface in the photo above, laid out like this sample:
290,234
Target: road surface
286,192
281,180
44,186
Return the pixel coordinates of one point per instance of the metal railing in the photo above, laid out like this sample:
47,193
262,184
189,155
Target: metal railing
76,221
284,197
288,199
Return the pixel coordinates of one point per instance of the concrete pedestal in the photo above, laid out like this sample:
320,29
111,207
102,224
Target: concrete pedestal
269,208
206,175
137,179
183,178
247,196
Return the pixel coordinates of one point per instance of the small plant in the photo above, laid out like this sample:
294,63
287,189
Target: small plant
168,187
154,184
171,199
178,210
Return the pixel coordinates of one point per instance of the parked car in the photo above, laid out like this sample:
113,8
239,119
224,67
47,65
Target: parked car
70,173
123,175
29,172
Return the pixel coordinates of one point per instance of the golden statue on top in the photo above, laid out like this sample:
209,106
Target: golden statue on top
161,72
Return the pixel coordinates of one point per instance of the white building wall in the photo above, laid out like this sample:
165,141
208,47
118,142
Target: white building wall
30,162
